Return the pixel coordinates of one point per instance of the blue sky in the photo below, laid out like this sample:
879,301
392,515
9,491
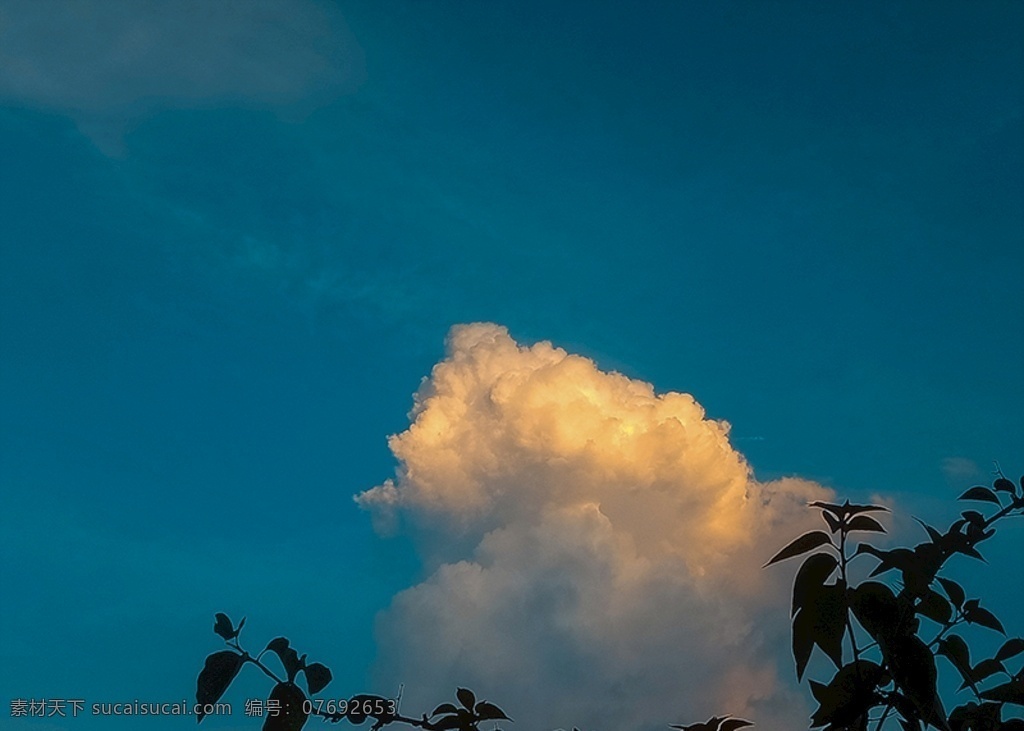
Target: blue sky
232,243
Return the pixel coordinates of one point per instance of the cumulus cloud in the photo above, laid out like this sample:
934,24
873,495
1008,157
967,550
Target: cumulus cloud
592,548
107,63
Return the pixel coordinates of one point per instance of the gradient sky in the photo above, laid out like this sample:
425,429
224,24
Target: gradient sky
234,236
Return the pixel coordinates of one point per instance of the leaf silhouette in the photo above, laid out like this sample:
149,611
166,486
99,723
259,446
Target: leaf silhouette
813,573
897,558
291,714
833,523
444,708
878,611
488,711
803,544
223,627
821,622
1011,692
830,622
289,658
913,668
356,710
982,494
731,724
954,591
318,676
978,615
466,697
973,517
932,532
985,669
934,606
847,699
1004,485
910,724
1010,648
954,649
846,509
715,723
218,671
865,523
803,642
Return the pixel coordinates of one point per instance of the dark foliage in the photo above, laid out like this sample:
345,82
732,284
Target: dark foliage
289,707
883,639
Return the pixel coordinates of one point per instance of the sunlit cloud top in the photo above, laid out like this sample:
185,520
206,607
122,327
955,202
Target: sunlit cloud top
574,518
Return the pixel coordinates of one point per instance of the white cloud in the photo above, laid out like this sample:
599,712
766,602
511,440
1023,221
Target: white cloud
960,469
593,549
107,63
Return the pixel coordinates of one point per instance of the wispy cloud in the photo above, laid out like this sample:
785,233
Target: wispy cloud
107,64
593,548
958,469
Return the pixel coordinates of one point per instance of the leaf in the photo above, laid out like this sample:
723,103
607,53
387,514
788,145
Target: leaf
289,658
954,649
223,627
898,558
954,591
291,714
978,615
445,722
1010,648
842,512
903,705
848,697
982,494
879,612
855,509
973,517
865,523
836,510
803,641
444,708
711,724
1003,485
934,534
318,676
218,671
278,644
935,606
1011,692
912,724
812,574
821,622
834,524
356,711
732,724
488,711
830,622
986,669
803,544
913,669
466,698
971,551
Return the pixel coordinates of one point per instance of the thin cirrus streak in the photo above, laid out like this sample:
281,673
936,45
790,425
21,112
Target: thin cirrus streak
593,548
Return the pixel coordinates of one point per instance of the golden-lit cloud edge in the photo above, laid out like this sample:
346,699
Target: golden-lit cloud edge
592,548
